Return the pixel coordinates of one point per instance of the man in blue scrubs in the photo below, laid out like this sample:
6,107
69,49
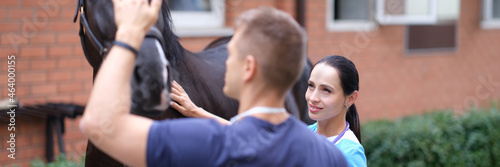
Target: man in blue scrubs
266,56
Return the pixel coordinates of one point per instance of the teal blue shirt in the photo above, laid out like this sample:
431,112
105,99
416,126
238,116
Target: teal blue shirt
349,146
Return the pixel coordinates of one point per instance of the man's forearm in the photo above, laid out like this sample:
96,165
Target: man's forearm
110,97
107,121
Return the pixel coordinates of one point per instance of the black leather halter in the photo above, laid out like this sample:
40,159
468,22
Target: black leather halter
86,31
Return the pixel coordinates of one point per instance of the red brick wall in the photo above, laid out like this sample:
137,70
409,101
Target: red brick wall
51,66
30,142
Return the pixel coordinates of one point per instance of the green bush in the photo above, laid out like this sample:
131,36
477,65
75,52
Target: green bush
61,161
435,139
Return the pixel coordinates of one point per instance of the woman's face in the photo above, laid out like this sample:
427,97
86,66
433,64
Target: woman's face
325,97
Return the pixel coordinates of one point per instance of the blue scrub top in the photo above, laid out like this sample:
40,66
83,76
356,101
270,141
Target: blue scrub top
350,146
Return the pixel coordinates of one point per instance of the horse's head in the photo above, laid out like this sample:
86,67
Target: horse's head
151,80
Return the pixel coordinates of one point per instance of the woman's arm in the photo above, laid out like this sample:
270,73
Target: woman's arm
187,108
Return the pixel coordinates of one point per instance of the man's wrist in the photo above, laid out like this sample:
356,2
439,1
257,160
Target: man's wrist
130,36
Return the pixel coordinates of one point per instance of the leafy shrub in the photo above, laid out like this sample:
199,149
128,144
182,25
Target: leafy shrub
435,139
61,161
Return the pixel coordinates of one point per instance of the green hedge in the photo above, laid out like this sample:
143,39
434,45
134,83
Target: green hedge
60,161
435,139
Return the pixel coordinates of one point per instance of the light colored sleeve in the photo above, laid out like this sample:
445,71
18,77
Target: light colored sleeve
353,152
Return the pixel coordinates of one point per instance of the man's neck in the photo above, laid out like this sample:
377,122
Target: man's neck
263,98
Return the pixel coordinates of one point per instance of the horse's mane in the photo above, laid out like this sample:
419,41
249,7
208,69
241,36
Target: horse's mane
218,42
174,50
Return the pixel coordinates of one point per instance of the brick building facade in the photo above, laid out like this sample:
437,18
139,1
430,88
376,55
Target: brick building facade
50,66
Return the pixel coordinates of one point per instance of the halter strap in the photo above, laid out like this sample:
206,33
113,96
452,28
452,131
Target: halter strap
86,31
78,5
83,19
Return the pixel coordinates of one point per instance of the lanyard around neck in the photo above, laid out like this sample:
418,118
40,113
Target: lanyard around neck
255,110
341,134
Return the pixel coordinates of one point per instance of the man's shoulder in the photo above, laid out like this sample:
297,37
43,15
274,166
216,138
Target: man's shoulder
169,139
187,126
313,126
292,140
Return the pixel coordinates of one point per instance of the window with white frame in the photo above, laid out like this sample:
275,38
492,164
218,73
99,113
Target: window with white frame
406,12
496,9
349,15
491,14
199,17
440,36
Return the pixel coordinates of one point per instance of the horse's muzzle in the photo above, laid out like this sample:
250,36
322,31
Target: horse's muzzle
151,80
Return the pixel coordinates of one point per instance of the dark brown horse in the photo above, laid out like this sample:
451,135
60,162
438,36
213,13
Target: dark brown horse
201,74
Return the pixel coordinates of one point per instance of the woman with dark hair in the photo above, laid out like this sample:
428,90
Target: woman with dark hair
333,89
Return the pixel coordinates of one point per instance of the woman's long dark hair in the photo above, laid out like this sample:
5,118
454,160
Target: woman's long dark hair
349,80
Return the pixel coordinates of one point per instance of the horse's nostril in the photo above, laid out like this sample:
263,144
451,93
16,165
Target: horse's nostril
137,96
137,76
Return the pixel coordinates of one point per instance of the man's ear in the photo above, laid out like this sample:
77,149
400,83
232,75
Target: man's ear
250,66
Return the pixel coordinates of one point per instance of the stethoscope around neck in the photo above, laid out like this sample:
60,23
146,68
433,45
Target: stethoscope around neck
346,127
343,132
340,135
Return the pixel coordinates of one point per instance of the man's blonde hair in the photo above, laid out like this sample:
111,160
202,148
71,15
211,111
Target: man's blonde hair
278,43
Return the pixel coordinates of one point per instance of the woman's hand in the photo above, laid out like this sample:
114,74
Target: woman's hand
184,104
187,108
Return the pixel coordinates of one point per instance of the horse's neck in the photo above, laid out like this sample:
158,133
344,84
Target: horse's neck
201,71
187,65
190,61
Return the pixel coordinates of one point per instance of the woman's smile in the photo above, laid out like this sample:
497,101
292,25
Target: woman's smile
314,109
